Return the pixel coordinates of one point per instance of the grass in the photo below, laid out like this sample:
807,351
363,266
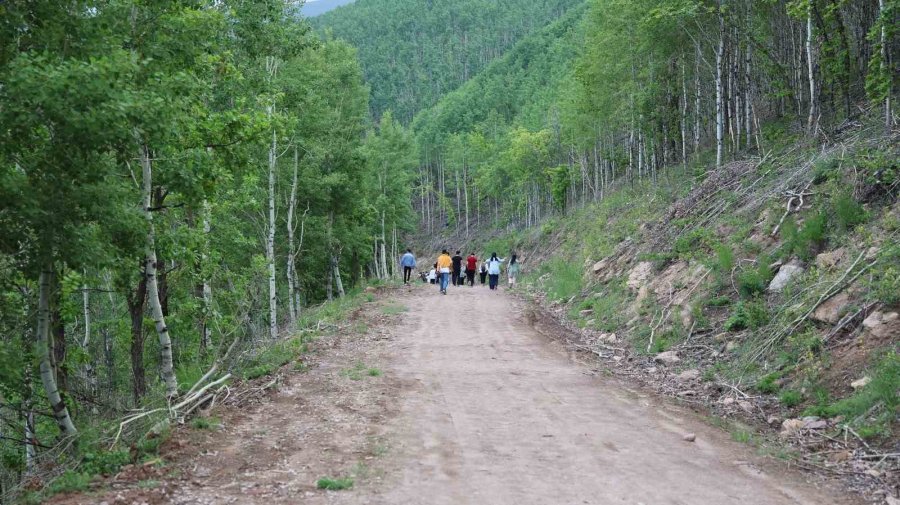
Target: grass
206,423
360,370
790,398
873,409
335,484
393,309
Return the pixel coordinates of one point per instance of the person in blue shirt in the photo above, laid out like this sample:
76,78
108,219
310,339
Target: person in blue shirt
408,262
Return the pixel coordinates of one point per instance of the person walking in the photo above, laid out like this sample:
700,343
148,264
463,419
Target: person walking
482,272
408,262
494,271
471,265
444,264
457,268
512,271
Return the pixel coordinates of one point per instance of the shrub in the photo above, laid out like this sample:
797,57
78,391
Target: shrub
806,241
747,315
790,398
885,279
768,383
717,301
692,241
104,462
847,212
754,280
71,481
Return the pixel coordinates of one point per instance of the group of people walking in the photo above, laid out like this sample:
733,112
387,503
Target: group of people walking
449,270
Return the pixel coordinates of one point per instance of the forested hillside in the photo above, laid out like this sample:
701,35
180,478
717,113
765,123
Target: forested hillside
414,51
706,195
176,180
653,85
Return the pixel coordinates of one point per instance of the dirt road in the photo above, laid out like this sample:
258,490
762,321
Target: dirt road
473,407
501,416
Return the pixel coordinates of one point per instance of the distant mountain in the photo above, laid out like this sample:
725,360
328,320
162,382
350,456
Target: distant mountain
313,8
413,52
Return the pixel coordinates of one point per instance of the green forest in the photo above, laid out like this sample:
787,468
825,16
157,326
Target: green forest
188,187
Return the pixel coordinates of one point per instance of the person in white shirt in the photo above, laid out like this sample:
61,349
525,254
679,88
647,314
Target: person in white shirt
493,265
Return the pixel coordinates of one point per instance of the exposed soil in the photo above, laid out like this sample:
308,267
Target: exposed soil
475,406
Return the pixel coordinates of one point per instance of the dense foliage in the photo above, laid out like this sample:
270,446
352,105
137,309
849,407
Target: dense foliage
413,52
622,89
197,171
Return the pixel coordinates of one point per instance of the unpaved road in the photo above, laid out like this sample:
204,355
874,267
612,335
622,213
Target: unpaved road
474,407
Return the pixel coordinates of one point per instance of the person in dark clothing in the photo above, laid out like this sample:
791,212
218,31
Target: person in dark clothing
471,265
457,269
482,273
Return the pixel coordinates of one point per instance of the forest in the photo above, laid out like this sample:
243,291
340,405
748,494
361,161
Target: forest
184,184
177,177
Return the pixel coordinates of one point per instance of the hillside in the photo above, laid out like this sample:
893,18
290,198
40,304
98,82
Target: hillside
414,51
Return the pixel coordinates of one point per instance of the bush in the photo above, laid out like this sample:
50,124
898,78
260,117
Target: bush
71,481
847,212
767,384
807,241
753,281
790,398
104,462
695,240
717,301
747,315
884,281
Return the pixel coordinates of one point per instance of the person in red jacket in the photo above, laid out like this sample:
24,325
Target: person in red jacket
471,265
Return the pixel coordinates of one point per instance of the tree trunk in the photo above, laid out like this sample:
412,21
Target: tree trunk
886,68
292,208
270,240
136,300
720,91
42,344
166,366
336,272
812,120
384,270
205,287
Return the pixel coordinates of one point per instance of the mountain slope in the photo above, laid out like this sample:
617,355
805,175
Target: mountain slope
415,51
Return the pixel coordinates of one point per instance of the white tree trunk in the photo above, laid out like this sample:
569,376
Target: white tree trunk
206,288
166,367
292,208
885,65
270,239
720,92
57,405
384,270
697,102
336,273
813,119
466,192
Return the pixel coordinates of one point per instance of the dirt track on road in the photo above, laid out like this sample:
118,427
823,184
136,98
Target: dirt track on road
474,407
